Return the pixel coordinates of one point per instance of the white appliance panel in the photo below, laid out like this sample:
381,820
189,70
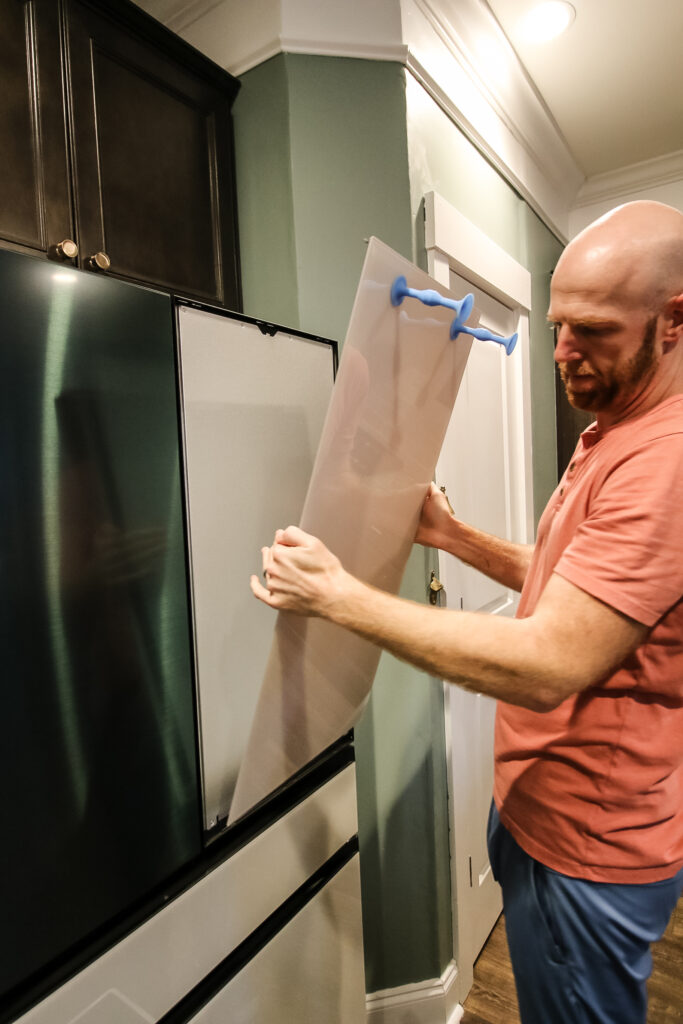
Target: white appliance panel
156,965
310,972
253,409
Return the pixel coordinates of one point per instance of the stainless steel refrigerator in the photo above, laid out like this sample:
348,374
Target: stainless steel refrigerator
131,655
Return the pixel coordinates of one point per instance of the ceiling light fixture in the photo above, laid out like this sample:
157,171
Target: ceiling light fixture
547,20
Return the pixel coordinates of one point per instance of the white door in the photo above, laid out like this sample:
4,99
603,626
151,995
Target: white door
474,466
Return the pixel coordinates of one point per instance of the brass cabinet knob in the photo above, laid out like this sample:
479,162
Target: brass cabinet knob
100,261
67,249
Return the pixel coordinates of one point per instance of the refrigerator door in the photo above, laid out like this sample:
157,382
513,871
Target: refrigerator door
254,404
100,798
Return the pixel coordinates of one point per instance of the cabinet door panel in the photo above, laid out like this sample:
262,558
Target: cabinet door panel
150,144
34,192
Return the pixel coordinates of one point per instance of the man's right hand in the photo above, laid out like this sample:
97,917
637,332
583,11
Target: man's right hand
500,560
436,519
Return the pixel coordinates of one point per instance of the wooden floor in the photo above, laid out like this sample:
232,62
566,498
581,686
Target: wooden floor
492,999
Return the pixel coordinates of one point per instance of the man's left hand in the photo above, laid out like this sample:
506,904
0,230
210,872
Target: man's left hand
301,574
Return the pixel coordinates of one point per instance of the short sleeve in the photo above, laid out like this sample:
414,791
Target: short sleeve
628,552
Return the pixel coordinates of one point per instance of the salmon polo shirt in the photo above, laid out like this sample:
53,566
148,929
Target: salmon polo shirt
594,788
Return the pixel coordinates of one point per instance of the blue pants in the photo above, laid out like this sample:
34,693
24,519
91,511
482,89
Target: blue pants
580,950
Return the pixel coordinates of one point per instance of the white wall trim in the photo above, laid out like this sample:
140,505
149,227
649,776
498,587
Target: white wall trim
423,1002
469,250
647,174
454,242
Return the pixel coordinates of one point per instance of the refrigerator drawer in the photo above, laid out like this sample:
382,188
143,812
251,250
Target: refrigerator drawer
155,967
311,971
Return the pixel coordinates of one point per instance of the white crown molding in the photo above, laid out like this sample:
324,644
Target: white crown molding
372,51
257,56
423,1002
187,13
178,15
459,54
648,174
281,44
462,34
454,48
239,38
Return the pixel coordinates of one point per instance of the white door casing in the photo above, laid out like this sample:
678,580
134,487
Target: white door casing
473,466
485,465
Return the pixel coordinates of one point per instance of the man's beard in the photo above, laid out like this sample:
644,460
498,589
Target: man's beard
607,387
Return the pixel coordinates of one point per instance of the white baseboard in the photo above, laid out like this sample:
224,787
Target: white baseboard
423,1002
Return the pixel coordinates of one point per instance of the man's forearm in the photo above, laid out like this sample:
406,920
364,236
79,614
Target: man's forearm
503,561
535,662
493,655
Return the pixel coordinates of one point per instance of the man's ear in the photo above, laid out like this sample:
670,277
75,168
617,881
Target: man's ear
673,315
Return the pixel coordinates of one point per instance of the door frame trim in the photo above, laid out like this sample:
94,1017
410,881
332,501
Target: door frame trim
454,243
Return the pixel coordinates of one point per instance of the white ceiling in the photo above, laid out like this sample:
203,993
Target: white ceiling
613,81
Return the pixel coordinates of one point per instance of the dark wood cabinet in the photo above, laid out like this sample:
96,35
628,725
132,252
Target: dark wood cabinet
35,199
118,137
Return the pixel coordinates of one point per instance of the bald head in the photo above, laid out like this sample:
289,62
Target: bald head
616,304
633,255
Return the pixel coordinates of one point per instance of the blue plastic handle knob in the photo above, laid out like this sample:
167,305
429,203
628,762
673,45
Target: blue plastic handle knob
399,290
462,307
483,335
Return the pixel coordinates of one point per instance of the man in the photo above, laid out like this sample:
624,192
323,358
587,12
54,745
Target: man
586,834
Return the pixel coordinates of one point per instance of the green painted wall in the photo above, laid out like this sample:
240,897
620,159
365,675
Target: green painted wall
349,176
403,819
322,164
328,152
266,208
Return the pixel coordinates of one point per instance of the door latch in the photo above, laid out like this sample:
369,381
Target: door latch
443,491
435,585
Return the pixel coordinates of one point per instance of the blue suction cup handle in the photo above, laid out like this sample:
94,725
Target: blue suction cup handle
463,308
399,290
483,335
510,343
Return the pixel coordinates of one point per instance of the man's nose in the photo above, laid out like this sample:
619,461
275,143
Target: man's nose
567,348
